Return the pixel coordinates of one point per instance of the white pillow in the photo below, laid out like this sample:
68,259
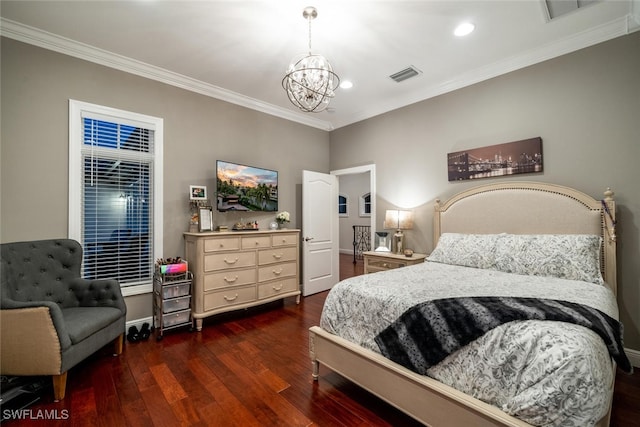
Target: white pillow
566,256
468,250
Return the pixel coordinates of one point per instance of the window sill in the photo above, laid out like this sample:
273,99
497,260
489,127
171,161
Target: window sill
144,288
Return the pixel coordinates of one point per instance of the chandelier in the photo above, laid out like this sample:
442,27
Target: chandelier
310,81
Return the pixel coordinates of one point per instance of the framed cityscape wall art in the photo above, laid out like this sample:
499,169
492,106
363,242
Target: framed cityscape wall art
510,158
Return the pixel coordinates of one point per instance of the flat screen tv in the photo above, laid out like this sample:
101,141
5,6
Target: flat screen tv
245,188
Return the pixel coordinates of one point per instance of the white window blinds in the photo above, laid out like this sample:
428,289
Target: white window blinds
117,216
117,201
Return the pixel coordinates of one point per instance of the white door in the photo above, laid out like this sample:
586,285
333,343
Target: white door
320,262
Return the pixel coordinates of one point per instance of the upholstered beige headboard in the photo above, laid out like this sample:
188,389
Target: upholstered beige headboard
531,208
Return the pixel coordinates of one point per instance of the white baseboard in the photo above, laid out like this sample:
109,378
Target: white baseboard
139,322
634,357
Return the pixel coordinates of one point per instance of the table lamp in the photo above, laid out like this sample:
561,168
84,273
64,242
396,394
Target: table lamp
400,220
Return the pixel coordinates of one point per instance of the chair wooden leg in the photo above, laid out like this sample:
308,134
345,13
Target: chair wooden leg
59,386
118,345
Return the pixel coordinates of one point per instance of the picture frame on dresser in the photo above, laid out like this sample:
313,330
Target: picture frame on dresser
205,218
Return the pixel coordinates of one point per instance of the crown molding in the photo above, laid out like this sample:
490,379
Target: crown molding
34,36
616,28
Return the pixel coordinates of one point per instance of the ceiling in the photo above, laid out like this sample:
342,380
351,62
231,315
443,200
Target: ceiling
238,51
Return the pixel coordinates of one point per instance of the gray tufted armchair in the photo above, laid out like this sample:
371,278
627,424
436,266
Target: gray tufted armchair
50,318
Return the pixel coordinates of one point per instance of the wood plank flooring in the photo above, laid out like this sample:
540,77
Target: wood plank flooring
248,368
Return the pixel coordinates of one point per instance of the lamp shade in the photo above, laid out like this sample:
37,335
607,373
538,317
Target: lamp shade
401,220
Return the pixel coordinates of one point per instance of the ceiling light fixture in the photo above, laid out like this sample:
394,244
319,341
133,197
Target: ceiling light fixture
310,81
464,29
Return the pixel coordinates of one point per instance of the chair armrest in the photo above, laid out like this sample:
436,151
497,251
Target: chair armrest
29,344
53,311
99,293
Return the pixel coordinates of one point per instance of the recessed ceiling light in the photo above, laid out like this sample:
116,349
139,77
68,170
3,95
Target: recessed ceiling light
346,84
464,29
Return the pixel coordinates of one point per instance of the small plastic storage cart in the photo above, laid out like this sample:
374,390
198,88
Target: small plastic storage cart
172,298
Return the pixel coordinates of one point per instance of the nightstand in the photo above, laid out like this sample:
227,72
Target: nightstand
380,261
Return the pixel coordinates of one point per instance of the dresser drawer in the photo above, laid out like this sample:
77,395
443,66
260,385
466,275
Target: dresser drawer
284,239
266,290
385,264
269,256
376,261
229,297
222,244
277,271
214,262
224,279
256,242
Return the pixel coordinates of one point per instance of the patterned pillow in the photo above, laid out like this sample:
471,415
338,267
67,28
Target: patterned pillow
468,250
566,256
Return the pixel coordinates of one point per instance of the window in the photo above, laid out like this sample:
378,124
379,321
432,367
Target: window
343,205
365,205
115,193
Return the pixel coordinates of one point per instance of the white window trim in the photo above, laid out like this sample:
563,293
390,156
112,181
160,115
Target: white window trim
361,205
77,109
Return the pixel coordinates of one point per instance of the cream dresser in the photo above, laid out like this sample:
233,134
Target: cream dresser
239,269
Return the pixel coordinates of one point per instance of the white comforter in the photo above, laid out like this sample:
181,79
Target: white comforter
542,372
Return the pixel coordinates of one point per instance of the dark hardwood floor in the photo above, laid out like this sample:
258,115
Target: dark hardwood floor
248,368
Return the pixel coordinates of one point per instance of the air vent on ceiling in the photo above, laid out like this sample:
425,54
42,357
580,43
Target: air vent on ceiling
557,8
405,74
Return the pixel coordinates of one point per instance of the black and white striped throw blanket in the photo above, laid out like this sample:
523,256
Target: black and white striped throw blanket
428,332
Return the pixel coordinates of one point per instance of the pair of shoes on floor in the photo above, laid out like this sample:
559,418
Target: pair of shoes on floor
134,335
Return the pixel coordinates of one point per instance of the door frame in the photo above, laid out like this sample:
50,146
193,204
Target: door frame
371,168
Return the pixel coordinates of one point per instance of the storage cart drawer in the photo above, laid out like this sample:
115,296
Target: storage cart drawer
177,318
177,290
176,304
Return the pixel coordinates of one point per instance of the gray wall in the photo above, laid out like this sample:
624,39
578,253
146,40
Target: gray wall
586,108
36,87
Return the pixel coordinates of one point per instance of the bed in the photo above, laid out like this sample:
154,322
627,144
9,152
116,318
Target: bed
478,236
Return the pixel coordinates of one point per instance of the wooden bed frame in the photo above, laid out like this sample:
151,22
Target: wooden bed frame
510,207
